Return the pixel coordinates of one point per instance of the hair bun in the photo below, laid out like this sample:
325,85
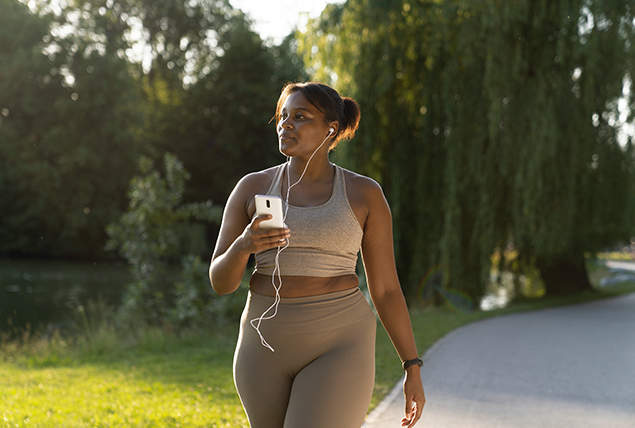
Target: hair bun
350,119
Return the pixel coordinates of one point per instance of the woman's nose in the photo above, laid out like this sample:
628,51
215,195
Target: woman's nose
285,124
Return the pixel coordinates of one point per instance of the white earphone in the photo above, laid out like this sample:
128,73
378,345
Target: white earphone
276,274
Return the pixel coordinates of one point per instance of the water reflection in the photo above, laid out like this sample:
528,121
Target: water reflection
40,292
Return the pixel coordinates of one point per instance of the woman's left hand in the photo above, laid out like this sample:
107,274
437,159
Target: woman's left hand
415,397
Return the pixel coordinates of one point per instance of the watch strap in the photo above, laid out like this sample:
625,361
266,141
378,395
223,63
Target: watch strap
409,363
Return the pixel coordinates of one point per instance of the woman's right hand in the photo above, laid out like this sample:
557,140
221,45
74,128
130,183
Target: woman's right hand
255,239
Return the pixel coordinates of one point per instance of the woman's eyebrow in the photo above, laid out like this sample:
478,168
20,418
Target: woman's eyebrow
297,109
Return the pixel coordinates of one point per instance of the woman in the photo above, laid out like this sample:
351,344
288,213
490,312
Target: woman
305,353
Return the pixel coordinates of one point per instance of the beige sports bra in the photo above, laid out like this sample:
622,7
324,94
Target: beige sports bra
324,240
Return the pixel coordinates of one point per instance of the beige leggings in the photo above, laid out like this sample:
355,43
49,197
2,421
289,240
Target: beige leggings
322,372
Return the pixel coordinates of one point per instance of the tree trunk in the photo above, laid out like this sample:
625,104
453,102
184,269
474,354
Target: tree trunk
564,276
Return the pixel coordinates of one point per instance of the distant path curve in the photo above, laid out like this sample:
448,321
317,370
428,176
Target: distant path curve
572,366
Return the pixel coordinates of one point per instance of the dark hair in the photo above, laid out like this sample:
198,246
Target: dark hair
335,108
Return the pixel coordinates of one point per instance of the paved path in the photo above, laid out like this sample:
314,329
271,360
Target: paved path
555,368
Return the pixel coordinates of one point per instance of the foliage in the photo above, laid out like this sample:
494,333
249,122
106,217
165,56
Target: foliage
147,236
488,122
210,82
196,305
219,125
88,86
64,116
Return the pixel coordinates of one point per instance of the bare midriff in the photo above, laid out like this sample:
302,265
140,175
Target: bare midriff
302,286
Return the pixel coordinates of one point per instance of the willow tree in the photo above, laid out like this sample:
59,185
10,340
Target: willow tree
487,122
571,182
384,58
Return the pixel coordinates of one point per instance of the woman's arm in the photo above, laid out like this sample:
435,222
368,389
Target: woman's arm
385,291
239,237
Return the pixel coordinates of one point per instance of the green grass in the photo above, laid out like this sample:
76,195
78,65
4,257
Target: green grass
153,378
161,381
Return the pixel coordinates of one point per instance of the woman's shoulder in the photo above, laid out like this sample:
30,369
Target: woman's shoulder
254,183
258,181
366,198
361,183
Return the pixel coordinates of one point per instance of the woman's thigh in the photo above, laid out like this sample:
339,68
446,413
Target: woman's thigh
261,378
322,371
335,390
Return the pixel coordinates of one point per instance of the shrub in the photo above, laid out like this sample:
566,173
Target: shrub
196,304
147,236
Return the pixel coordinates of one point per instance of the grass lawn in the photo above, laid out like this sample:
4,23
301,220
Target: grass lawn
164,382
156,379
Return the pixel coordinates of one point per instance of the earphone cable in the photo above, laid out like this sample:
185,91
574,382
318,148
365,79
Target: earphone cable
276,269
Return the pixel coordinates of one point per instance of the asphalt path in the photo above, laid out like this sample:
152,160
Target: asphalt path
564,367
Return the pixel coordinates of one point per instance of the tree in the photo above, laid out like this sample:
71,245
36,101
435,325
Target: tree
211,83
21,66
386,64
147,236
486,123
88,86
545,74
68,142
221,127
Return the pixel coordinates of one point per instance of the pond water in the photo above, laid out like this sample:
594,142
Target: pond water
39,292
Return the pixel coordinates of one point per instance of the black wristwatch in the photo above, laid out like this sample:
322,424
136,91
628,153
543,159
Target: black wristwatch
417,361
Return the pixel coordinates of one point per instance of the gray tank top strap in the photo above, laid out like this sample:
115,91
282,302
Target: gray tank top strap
275,188
339,188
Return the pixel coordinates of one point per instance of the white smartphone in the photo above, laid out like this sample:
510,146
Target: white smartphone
270,205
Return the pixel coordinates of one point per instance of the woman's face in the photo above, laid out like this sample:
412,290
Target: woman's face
302,127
